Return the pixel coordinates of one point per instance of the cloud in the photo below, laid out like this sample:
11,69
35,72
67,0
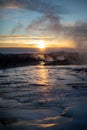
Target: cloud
24,37
35,5
9,4
50,14
49,22
17,28
78,33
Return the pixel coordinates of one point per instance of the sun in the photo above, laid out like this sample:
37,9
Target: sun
41,44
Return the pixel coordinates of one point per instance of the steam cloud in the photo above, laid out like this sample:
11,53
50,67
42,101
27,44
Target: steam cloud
78,32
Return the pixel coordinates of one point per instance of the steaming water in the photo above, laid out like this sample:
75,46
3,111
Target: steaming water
37,96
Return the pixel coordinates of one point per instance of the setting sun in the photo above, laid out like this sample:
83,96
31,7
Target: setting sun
41,44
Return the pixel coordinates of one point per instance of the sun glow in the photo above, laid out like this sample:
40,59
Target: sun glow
41,44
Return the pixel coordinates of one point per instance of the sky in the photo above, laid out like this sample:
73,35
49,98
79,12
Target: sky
56,23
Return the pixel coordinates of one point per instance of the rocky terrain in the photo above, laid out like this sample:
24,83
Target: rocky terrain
52,58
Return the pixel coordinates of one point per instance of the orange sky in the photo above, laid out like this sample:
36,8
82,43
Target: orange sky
32,42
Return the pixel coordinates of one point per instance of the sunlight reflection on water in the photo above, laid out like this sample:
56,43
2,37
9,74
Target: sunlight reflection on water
36,95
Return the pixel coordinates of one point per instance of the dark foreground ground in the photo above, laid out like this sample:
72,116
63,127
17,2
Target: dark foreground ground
53,58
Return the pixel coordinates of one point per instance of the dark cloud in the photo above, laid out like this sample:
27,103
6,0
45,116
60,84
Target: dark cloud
42,6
